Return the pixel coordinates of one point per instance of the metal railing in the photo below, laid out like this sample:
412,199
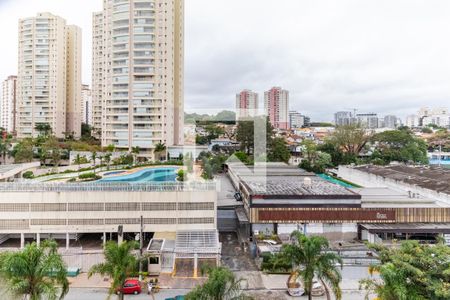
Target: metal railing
108,186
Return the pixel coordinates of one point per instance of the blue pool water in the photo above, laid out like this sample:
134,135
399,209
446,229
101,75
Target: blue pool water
436,162
146,175
336,181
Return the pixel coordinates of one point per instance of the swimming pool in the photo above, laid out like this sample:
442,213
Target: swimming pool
336,181
146,175
442,162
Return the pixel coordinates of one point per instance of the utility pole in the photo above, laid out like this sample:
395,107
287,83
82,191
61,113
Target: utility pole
141,245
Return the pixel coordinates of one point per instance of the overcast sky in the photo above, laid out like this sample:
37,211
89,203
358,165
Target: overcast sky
389,57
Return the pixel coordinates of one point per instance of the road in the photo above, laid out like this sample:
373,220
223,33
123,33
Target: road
101,294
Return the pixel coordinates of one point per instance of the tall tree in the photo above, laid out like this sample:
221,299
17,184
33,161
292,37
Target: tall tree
222,284
279,151
160,148
351,138
400,145
51,149
35,273
311,260
23,151
135,151
119,263
411,271
245,135
44,129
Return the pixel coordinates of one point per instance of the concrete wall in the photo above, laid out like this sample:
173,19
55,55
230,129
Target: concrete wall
60,212
372,180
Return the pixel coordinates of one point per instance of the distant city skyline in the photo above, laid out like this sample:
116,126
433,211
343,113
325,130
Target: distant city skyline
312,49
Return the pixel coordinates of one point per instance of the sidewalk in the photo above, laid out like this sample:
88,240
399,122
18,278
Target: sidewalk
82,281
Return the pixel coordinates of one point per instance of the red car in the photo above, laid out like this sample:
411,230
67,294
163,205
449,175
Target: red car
130,286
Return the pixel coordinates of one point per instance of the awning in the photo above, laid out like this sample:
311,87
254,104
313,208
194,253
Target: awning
408,228
241,215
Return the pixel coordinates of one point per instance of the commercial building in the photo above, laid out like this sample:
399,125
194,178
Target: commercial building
86,96
343,118
390,122
297,120
368,120
287,198
8,102
49,76
246,104
138,75
276,104
38,210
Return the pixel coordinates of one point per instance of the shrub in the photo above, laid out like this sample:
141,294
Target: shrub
87,176
28,175
181,175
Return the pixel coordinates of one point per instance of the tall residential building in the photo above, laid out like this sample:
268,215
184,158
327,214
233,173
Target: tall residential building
138,53
412,121
390,121
343,118
8,104
49,76
86,97
276,104
297,120
246,104
368,120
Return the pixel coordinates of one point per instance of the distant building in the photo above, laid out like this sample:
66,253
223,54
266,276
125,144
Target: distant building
438,116
297,120
390,121
343,118
86,96
246,104
368,120
412,121
8,104
276,104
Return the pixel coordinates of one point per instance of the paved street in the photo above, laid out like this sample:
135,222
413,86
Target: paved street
101,294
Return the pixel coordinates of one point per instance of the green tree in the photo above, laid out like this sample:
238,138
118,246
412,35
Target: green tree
159,149
222,284
311,260
44,129
350,139
94,159
108,160
110,148
51,149
5,144
411,271
181,175
400,145
135,151
245,135
36,272
119,263
279,151
23,151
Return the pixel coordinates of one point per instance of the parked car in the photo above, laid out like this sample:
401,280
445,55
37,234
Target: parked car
131,286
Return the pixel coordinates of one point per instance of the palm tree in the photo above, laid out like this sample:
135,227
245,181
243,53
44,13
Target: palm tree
159,148
222,284
35,272
119,264
310,259
93,158
44,129
108,160
135,151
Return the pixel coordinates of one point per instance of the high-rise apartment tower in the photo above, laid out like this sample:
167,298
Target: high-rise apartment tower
49,76
138,76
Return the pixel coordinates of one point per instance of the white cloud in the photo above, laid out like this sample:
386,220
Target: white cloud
377,55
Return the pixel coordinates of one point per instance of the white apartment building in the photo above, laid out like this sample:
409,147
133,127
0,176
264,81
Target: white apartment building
86,104
8,104
49,76
296,120
138,76
246,104
276,104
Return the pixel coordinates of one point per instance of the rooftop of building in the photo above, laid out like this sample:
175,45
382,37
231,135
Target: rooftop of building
432,178
279,179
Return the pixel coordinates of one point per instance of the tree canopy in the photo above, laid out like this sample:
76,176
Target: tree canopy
411,271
